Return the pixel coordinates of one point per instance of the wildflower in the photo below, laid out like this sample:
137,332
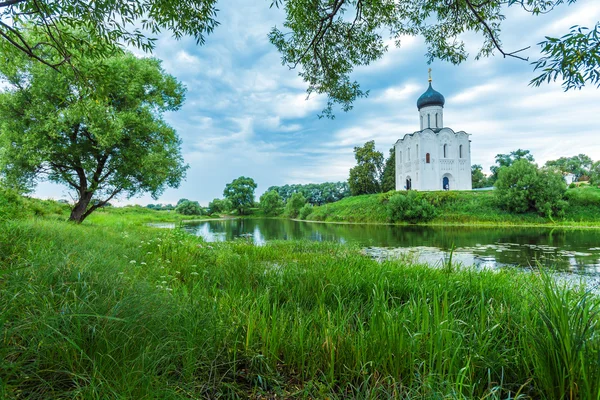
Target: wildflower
169,289
194,273
164,282
143,263
121,273
132,262
148,253
177,272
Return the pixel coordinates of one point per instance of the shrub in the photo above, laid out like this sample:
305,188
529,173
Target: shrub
572,185
271,203
305,211
189,208
410,207
294,204
523,187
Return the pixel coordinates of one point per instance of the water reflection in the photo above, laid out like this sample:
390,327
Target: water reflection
566,250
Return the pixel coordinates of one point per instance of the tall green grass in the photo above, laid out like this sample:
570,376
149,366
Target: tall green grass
128,312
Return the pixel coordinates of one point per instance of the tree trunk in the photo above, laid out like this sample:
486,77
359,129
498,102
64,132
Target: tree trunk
78,213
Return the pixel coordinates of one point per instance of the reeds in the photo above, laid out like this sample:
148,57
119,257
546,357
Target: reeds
91,312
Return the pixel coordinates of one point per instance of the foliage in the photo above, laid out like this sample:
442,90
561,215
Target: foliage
315,193
132,312
305,211
595,173
240,194
478,179
219,206
388,177
506,160
328,39
188,207
579,165
522,187
181,201
271,203
294,204
103,27
409,207
574,57
159,206
365,176
114,143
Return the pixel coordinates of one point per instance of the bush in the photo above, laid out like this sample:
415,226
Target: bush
271,203
294,204
572,185
523,187
305,211
189,208
410,207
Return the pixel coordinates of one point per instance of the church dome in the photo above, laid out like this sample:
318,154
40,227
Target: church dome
430,98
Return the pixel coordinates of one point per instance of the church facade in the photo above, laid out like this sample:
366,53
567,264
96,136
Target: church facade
435,157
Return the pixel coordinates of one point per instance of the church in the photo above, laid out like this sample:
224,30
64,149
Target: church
435,157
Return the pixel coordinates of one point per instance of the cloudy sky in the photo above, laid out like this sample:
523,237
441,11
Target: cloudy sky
246,114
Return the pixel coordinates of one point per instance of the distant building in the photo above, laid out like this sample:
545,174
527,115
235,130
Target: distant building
436,157
569,178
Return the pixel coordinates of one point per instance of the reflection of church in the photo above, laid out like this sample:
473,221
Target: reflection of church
436,157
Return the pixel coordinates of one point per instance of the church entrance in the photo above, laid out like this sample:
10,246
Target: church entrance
408,184
446,183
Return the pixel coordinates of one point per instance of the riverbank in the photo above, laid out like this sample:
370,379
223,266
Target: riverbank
472,208
125,311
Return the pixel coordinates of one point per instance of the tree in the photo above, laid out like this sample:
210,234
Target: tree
218,206
478,179
315,193
579,165
103,26
329,38
294,204
188,207
506,160
115,143
388,178
240,193
364,178
522,187
271,202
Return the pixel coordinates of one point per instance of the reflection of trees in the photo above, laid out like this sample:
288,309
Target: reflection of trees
551,247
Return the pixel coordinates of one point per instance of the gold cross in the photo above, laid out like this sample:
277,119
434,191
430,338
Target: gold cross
429,74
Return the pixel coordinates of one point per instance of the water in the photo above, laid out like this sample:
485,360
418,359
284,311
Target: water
565,250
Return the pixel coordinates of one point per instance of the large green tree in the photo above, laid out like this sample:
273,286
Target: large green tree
523,187
329,38
115,143
271,203
102,26
506,160
388,177
478,179
578,165
240,193
365,176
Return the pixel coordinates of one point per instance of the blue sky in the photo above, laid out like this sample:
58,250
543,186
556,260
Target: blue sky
246,114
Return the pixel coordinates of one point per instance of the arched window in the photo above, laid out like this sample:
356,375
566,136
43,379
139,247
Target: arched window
421,122
427,158
436,120
417,152
460,155
445,151
429,120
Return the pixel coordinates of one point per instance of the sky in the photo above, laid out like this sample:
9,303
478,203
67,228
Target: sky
246,114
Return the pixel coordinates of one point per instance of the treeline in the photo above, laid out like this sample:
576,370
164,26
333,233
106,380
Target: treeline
315,193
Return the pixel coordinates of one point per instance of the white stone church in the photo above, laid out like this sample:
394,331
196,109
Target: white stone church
436,157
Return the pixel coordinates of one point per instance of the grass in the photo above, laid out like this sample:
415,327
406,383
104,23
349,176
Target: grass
463,208
123,311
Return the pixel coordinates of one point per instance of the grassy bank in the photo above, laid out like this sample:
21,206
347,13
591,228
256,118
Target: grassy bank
470,208
122,311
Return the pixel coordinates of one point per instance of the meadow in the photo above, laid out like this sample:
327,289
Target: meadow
464,208
110,309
